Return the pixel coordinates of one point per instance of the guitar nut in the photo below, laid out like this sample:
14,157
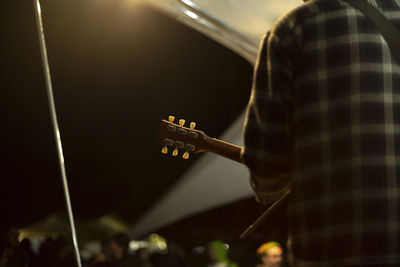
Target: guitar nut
171,128
190,147
179,144
168,142
193,134
182,131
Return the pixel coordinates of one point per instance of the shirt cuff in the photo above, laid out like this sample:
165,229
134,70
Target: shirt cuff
270,189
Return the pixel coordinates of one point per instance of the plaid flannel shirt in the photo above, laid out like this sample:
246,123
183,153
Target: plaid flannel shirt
324,119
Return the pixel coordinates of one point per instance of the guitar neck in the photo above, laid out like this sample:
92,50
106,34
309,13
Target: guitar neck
224,149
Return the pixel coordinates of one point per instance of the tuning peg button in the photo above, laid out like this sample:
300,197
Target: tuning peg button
181,122
175,152
164,150
171,118
192,125
185,155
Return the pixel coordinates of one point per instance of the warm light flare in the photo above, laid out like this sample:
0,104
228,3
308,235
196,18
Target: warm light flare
38,7
191,14
188,2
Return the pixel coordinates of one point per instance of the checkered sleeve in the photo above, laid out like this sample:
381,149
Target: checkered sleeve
267,139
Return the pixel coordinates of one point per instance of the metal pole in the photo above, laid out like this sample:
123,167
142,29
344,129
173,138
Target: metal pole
50,95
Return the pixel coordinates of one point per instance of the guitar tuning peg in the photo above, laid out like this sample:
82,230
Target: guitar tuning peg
164,150
192,125
175,152
171,119
181,122
185,155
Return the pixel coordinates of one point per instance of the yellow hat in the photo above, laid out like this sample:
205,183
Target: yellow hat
266,246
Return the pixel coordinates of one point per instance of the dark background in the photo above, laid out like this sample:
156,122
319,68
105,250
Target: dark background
117,70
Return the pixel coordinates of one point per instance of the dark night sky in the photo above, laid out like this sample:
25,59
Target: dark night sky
117,70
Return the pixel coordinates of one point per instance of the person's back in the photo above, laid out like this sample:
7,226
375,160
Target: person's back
327,97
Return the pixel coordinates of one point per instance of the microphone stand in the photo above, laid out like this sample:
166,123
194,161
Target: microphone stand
263,216
50,95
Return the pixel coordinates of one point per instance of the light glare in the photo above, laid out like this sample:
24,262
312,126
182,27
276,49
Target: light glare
188,2
38,7
191,14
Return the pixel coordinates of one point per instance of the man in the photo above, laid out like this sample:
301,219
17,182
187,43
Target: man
324,121
270,254
115,253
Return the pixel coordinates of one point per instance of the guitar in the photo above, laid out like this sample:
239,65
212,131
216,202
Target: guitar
176,137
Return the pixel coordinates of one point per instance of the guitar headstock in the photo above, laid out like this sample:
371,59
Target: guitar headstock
176,137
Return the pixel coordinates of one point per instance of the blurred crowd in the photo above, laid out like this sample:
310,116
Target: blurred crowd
115,252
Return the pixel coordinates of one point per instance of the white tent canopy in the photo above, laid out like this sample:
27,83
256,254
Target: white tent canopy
214,181
236,24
